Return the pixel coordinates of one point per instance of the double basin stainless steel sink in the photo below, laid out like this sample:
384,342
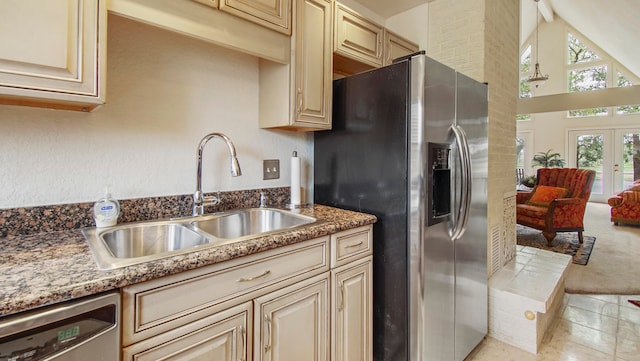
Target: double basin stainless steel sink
139,242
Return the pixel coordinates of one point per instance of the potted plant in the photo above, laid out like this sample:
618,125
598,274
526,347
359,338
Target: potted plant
529,181
547,160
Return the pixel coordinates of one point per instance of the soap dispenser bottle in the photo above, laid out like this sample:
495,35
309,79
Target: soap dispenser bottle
106,210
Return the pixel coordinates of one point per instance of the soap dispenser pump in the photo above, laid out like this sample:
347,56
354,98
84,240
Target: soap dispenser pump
106,210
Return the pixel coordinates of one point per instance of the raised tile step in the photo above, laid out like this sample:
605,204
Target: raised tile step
525,296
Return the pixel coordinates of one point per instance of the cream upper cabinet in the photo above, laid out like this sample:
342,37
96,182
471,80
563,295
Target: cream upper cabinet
273,14
293,323
396,46
52,53
357,37
211,3
307,79
360,44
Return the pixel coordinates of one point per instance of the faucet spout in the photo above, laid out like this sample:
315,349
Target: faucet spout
199,200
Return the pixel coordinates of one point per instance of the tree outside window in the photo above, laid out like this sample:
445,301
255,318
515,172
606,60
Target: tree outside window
587,78
525,88
626,109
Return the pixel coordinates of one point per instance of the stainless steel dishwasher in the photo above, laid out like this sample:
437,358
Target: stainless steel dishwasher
77,330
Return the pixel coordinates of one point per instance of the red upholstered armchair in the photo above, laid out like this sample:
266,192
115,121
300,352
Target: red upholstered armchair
557,202
625,206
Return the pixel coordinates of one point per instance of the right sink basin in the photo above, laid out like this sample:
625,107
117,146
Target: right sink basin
251,222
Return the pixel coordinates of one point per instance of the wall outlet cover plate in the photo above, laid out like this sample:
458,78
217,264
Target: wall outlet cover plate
270,169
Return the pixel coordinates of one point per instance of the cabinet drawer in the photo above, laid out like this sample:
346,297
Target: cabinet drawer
350,245
224,336
159,305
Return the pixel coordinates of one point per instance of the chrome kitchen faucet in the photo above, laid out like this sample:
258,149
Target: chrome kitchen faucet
199,199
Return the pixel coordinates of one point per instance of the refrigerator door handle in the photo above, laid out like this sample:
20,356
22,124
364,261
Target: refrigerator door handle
465,166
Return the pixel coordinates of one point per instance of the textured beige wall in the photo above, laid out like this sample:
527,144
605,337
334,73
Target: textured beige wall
480,39
165,92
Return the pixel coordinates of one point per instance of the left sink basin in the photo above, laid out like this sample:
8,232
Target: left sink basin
124,245
145,240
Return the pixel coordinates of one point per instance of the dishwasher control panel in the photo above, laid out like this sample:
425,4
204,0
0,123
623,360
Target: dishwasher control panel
68,331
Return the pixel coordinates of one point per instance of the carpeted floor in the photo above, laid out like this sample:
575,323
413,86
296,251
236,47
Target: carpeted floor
614,265
565,243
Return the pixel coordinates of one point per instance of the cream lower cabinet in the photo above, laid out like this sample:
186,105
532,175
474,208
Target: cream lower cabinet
53,53
352,295
351,315
309,301
210,313
293,323
224,336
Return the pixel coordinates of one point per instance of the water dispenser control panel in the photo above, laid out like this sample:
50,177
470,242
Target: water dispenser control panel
438,183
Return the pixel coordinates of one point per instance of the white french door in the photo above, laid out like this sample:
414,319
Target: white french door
626,166
610,152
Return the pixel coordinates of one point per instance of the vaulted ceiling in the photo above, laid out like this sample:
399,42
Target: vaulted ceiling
613,25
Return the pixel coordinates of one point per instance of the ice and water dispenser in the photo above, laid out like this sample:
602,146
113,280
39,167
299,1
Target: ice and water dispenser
438,183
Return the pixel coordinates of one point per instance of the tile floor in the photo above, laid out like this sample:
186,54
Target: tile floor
590,328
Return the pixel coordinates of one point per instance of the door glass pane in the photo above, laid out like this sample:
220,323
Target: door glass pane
630,158
519,152
589,156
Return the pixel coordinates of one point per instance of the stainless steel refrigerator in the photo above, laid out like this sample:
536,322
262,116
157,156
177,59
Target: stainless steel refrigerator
409,145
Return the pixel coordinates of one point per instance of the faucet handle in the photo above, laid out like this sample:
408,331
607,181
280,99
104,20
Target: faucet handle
263,200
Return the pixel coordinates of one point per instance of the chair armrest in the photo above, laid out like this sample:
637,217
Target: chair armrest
615,201
630,197
567,212
523,196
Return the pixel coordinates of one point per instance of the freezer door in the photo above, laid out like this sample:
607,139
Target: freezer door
471,248
361,165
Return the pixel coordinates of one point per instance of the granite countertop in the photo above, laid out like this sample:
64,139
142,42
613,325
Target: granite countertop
48,268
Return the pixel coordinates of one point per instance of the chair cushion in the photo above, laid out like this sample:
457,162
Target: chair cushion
544,195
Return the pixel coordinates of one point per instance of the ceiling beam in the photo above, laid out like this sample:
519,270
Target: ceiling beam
609,97
546,10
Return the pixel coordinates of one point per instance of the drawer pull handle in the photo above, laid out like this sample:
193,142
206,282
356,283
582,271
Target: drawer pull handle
249,279
267,321
244,343
354,245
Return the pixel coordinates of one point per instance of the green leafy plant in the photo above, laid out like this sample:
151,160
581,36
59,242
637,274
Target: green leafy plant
529,181
547,160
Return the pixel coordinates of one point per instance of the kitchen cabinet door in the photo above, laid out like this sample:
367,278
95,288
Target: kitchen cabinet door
307,80
292,323
313,63
396,46
210,3
357,37
351,311
272,14
224,336
52,53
